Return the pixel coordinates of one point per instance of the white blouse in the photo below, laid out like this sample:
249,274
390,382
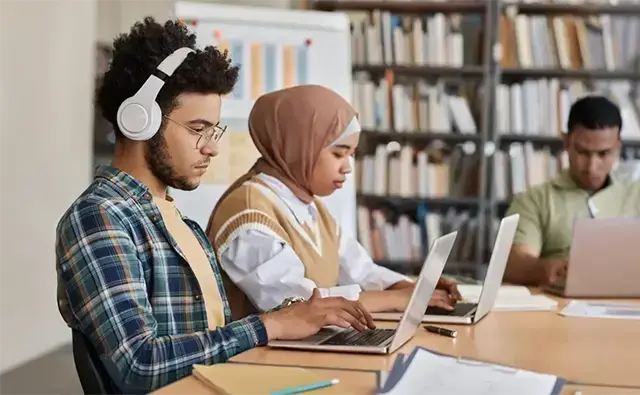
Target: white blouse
268,270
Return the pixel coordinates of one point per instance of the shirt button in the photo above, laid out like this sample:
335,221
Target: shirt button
147,196
198,297
154,218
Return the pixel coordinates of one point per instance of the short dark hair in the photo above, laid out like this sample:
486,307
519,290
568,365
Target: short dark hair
137,54
594,112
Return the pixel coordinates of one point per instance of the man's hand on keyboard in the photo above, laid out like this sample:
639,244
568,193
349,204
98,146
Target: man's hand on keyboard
306,318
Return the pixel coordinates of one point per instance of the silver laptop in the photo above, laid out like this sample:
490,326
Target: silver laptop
381,340
603,262
470,313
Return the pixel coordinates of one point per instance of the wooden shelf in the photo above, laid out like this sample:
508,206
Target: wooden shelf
506,139
444,203
583,74
420,136
403,6
423,71
574,9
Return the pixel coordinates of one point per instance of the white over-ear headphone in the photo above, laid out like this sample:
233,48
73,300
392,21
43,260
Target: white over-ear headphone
139,117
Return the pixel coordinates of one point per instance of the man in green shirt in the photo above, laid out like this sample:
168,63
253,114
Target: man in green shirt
587,189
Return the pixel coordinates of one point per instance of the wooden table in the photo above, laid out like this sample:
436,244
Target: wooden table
597,356
364,383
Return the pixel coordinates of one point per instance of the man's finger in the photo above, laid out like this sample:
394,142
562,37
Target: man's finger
367,315
354,321
334,319
352,309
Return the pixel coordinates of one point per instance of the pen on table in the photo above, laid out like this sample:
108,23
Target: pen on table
440,331
305,388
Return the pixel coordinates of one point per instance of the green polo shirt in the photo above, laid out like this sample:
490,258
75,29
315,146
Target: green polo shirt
547,211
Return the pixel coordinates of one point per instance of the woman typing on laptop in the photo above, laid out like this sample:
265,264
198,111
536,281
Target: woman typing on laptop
275,238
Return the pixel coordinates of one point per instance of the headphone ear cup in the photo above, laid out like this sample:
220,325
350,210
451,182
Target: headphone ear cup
136,123
133,119
155,122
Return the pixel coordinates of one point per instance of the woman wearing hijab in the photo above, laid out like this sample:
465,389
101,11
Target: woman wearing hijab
274,238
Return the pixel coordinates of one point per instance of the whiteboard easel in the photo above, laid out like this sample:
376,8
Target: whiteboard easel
327,62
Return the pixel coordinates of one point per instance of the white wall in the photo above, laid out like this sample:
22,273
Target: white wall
117,16
46,89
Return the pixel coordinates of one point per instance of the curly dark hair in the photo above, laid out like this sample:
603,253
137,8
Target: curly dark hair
137,54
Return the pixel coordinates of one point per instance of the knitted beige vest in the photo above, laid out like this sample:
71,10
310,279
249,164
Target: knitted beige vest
254,205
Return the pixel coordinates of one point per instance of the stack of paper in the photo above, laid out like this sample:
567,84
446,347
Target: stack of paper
510,297
626,311
236,378
428,372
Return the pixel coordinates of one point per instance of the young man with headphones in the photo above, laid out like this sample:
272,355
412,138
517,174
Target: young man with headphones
137,279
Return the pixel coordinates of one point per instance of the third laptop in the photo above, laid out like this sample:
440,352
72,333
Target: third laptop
470,313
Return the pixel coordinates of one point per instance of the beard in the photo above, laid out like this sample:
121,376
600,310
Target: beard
159,161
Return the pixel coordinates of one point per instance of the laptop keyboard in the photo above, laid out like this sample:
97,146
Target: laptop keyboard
368,337
461,310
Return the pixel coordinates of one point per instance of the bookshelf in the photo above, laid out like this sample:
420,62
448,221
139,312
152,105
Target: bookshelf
494,61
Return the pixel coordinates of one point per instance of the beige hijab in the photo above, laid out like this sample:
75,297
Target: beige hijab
290,128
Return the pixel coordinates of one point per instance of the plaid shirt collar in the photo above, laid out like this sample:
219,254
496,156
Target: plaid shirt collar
126,184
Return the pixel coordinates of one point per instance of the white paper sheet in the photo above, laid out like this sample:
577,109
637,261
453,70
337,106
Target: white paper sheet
430,373
616,310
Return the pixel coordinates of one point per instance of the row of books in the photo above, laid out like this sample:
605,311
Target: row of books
386,38
570,42
409,172
541,107
530,41
407,237
418,106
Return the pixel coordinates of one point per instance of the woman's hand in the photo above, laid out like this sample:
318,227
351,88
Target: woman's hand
451,287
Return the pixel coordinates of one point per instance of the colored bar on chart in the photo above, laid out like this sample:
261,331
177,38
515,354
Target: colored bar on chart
223,45
270,67
302,65
289,66
236,54
257,80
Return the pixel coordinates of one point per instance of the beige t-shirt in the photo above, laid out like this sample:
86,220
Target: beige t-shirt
547,211
197,259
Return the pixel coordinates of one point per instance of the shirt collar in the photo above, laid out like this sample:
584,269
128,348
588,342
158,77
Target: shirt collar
124,182
303,212
565,181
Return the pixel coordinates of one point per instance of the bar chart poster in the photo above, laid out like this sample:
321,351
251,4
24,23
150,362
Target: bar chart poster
266,67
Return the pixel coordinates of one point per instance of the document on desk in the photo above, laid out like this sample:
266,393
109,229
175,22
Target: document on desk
619,310
428,372
232,378
510,298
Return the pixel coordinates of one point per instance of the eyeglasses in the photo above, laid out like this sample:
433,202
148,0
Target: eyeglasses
214,132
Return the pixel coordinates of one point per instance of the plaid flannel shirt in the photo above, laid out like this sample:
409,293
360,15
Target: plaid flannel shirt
123,284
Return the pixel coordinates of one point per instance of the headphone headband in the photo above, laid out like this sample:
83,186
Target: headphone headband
139,117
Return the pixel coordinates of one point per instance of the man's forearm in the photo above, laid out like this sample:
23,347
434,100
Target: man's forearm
523,269
158,361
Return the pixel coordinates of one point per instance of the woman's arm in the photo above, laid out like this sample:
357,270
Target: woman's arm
268,270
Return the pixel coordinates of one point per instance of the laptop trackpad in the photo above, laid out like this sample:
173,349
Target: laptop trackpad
322,335
461,310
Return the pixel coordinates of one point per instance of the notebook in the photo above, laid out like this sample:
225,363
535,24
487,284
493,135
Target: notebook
428,372
236,378
510,298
